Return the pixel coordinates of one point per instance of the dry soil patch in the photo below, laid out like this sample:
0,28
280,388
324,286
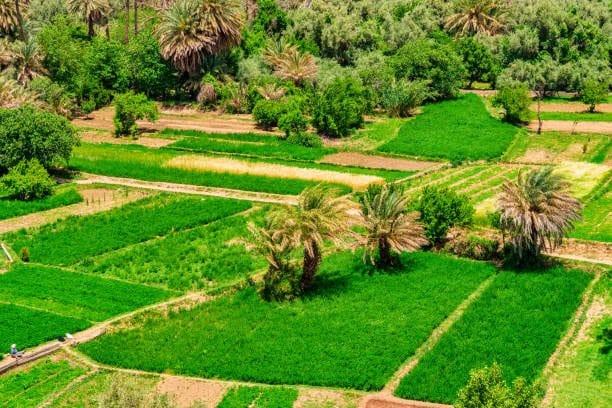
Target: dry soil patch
572,107
185,391
569,126
376,162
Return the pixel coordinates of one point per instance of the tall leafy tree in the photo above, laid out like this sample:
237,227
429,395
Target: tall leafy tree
475,16
94,12
537,211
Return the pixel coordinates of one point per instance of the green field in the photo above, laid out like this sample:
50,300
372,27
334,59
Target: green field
259,397
353,331
457,130
597,221
516,322
75,238
15,208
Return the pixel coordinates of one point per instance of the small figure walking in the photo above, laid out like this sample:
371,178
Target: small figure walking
14,352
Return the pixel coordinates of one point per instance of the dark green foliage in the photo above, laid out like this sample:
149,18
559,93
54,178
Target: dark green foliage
515,101
460,130
270,20
478,60
266,113
28,180
24,254
10,208
442,209
401,98
517,322
259,397
104,71
305,139
75,238
355,328
474,247
487,388
26,134
340,108
292,123
74,294
29,327
593,92
431,61
130,107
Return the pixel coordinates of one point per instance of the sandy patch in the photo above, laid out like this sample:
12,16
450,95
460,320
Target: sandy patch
234,166
572,107
185,392
536,156
376,162
314,398
569,126
583,176
104,137
589,251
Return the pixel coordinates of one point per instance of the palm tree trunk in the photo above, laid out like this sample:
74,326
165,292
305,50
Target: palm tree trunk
22,36
90,27
127,22
539,95
384,253
135,18
311,264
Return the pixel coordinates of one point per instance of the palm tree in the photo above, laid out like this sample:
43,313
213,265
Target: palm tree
190,30
11,18
93,11
475,16
537,211
389,226
13,95
296,66
26,58
320,215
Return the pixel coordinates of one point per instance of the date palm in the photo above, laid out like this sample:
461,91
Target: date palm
13,95
320,215
8,17
475,16
93,12
25,58
390,227
296,66
537,211
190,30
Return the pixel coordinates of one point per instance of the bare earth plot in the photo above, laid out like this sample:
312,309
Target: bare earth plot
569,126
571,107
376,162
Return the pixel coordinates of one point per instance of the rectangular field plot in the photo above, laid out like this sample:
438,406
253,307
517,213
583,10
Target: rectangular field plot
597,220
459,129
203,257
75,238
29,327
32,387
259,397
354,330
516,322
74,294
14,208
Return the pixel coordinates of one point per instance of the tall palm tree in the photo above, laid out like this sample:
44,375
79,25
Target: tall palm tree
296,66
190,30
320,215
11,18
389,226
93,11
536,210
18,4
25,57
475,16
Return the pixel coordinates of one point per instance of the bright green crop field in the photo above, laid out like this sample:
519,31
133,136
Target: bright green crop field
14,208
259,397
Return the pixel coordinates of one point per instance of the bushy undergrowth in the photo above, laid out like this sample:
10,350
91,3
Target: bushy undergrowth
28,180
10,208
516,322
74,294
29,327
75,238
460,130
259,397
194,259
353,330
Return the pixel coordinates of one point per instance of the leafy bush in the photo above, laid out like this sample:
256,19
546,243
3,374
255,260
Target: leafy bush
292,123
24,254
593,92
401,98
281,284
487,388
55,96
129,108
515,101
479,62
267,113
441,209
305,139
148,72
474,247
340,108
27,133
28,180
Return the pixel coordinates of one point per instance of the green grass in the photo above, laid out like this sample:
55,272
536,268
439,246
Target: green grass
244,144
32,387
73,239
10,208
194,259
29,327
577,116
74,294
376,133
597,221
517,322
259,397
148,164
354,330
459,129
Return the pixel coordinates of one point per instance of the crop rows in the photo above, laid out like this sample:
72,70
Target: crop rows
597,221
15,208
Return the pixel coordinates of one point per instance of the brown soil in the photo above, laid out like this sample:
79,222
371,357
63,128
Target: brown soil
377,401
572,107
597,252
376,162
311,397
569,126
180,119
185,391
107,137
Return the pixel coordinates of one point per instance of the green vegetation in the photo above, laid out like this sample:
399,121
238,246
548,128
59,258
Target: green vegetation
10,208
597,222
32,387
578,117
193,259
356,328
74,294
76,238
259,397
129,108
27,180
459,130
29,327
541,304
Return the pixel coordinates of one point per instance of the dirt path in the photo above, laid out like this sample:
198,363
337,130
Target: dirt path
95,200
376,162
569,126
570,107
190,189
585,251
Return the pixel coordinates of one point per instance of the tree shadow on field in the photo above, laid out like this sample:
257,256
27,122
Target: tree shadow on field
534,266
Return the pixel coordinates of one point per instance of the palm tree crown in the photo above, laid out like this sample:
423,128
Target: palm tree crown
25,57
8,16
537,211
93,11
475,16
